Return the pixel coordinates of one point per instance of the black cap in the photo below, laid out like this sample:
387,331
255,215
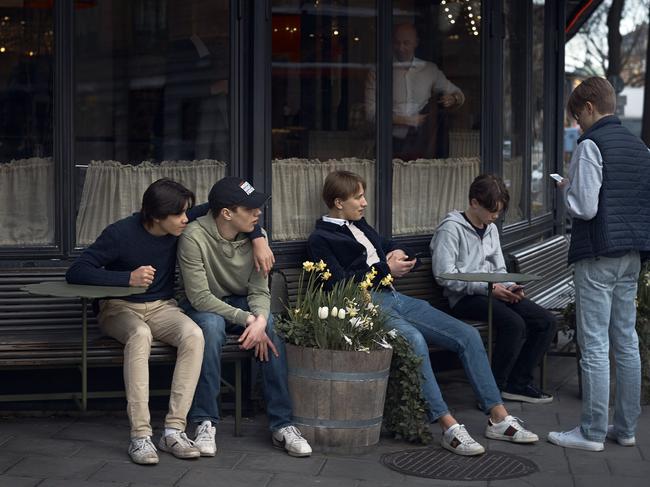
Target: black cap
233,191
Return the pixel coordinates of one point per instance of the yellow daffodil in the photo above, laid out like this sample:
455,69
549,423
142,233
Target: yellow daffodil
308,265
321,265
387,281
326,275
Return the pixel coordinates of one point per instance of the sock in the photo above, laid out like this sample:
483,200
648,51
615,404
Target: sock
171,431
207,423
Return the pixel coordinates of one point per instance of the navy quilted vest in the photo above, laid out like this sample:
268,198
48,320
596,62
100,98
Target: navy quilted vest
623,219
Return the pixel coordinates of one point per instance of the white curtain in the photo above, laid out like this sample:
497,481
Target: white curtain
296,192
425,190
113,190
27,202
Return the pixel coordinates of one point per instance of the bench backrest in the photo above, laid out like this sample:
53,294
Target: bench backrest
419,284
549,260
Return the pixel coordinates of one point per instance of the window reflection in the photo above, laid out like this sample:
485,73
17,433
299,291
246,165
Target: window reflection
514,107
436,109
321,54
152,100
26,130
539,179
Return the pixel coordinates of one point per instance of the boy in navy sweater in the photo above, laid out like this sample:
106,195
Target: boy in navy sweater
140,250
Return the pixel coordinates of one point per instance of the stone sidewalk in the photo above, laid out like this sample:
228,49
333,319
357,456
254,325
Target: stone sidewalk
90,451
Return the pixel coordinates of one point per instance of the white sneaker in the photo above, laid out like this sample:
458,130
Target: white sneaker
179,445
613,435
574,439
290,438
142,451
457,440
510,429
205,439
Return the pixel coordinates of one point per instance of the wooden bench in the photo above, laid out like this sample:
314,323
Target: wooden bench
555,290
40,331
418,283
547,259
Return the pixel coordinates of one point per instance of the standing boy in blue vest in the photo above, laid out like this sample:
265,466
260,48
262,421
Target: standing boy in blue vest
608,195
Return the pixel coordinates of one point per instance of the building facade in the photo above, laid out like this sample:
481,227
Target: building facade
100,98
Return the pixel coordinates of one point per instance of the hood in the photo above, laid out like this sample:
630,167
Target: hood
456,218
208,224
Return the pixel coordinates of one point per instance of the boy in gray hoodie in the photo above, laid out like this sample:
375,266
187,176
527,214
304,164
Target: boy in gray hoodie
469,242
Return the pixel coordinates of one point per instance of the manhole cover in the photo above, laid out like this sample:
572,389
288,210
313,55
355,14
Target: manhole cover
442,464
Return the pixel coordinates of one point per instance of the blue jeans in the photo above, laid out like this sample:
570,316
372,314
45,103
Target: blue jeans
274,372
605,311
421,324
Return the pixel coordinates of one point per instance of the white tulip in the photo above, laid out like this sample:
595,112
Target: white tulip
323,313
335,311
341,314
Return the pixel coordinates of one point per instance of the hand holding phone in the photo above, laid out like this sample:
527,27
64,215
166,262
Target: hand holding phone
556,176
515,288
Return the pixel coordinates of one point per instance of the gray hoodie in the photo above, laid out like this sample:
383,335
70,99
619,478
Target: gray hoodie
456,247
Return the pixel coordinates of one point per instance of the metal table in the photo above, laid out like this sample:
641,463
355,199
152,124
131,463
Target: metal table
490,279
62,289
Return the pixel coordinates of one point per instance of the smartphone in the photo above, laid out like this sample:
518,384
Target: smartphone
556,176
515,287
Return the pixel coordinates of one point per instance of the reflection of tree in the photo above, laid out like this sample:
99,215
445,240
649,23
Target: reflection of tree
599,49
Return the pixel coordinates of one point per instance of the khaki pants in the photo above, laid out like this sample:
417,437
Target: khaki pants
135,325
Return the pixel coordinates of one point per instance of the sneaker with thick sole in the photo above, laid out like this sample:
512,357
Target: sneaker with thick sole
510,429
457,440
530,394
205,440
574,439
142,451
179,445
290,439
613,435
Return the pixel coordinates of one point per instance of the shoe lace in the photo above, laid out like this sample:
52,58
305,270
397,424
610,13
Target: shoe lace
145,444
291,434
183,440
203,433
463,435
516,422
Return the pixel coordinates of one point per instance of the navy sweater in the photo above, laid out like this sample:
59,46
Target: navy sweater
126,245
344,255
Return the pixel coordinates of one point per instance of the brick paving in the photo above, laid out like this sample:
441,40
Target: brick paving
90,450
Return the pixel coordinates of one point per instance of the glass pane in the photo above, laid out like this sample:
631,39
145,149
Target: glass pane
322,55
26,131
539,179
514,107
152,101
436,109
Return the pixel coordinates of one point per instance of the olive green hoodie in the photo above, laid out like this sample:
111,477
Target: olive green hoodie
213,267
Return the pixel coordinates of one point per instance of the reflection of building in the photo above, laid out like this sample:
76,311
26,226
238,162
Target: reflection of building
193,90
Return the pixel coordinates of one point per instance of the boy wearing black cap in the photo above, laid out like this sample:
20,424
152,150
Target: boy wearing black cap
225,293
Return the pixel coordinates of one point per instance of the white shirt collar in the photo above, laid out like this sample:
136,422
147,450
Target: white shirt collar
337,221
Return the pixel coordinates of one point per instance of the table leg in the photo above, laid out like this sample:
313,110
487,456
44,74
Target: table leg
84,354
490,322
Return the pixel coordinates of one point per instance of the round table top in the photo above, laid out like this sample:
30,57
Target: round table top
490,277
62,289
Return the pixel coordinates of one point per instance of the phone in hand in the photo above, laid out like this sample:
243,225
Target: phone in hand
515,288
556,176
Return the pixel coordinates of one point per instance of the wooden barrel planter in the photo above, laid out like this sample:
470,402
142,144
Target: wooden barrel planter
338,396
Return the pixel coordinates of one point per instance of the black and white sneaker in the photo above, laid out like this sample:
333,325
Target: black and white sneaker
530,394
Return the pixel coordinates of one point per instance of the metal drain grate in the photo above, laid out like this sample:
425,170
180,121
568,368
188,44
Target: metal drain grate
442,464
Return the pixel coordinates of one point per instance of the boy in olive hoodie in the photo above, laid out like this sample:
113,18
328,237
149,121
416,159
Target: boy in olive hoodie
227,294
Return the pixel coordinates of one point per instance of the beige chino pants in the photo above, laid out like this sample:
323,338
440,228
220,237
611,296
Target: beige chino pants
135,325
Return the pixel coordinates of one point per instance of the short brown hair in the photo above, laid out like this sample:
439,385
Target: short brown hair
165,197
596,90
342,185
489,190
